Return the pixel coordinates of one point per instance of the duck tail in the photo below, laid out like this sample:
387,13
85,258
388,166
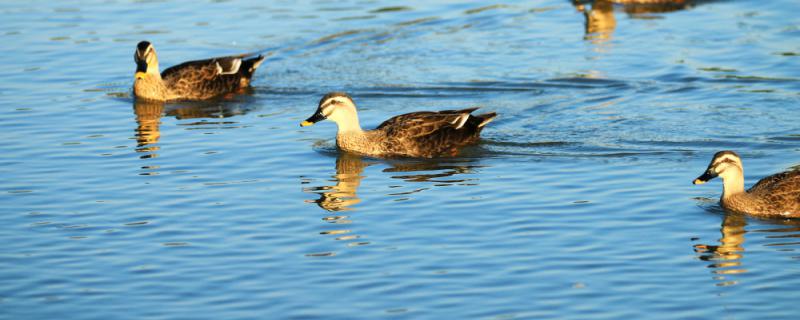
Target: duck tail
249,66
486,118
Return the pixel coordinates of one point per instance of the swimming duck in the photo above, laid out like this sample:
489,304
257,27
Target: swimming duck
418,134
193,80
775,196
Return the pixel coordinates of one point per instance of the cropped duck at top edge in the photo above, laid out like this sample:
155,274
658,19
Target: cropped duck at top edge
777,195
192,80
424,134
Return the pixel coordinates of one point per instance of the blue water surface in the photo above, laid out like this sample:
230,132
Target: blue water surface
577,204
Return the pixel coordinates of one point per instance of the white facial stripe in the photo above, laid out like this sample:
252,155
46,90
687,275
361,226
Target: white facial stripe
146,51
146,56
726,158
327,109
330,105
721,164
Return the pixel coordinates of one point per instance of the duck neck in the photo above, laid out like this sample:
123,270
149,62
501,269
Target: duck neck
352,138
151,87
348,125
732,183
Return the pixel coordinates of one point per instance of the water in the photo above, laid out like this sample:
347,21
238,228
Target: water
578,204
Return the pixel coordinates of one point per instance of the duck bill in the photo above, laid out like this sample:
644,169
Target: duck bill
704,178
317,117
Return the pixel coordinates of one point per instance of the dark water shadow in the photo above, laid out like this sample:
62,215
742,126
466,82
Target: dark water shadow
339,197
726,257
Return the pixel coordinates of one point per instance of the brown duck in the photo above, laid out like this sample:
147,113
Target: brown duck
193,80
775,196
418,134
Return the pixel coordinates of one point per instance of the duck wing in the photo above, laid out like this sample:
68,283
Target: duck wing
210,77
199,70
423,123
781,189
428,133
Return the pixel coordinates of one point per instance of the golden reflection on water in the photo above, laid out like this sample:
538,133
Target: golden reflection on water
342,196
599,20
349,173
339,197
726,258
149,113
148,119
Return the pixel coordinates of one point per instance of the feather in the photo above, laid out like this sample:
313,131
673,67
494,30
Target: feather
199,79
777,195
231,65
460,120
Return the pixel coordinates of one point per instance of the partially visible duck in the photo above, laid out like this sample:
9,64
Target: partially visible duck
777,195
193,80
423,134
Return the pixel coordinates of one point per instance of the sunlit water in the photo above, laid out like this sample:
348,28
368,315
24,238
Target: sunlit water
577,204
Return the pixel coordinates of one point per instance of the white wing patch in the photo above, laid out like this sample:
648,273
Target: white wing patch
485,122
461,120
234,67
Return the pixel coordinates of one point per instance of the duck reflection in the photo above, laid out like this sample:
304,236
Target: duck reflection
148,119
442,171
726,258
599,20
149,113
342,196
209,109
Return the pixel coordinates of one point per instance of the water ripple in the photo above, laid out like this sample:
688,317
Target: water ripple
579,191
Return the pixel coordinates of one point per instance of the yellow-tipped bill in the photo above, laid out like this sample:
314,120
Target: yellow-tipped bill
139,75
705,177
317,117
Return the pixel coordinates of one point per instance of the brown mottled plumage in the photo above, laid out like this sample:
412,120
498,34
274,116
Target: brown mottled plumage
777,195
193,80
418,134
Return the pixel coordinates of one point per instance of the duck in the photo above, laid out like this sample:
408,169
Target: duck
776,196
192,80
423,134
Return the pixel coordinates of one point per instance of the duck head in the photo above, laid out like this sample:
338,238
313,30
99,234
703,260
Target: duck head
337,107
724,164
146,60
